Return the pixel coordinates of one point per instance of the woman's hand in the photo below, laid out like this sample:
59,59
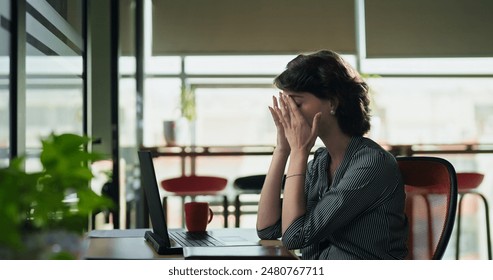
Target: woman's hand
282,143
300,134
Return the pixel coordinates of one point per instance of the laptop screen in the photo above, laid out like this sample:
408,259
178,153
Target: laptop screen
148,175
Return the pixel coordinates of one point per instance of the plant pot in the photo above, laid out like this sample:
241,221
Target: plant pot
169,130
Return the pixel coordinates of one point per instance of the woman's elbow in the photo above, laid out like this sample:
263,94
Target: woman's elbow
290,242
268,234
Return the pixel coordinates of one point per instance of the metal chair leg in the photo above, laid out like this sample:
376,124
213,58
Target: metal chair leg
225,210
487,216
457,239
237,211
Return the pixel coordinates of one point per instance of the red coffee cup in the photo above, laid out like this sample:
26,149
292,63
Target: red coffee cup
197,215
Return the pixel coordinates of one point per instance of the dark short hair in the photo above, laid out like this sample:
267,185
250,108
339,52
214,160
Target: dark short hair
327,76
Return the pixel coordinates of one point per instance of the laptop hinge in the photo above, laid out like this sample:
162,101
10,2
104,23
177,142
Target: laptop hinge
160,246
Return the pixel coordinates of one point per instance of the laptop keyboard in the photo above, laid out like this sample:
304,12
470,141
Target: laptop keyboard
194,239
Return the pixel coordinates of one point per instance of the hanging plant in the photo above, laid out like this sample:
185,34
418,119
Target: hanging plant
187,103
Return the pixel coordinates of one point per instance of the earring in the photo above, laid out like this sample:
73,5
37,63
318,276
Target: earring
332,112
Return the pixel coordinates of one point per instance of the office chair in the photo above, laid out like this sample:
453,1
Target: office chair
193,186
431,204
467,182
246,185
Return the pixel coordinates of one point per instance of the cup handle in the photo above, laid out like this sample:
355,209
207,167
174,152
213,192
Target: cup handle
211,215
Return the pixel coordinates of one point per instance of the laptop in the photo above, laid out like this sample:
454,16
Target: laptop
239,253
171,242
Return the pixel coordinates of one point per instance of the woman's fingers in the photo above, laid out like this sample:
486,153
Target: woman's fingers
275,116
274,101
276,112
285,113
293,109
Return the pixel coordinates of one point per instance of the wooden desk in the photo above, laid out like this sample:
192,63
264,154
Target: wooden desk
122,248
131,245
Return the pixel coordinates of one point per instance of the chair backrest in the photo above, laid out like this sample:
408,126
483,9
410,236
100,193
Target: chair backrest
194,184
431,203
252,182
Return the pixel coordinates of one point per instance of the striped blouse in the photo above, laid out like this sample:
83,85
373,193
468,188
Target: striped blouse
359,216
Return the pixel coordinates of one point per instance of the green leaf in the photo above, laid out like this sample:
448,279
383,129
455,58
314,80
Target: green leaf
36,201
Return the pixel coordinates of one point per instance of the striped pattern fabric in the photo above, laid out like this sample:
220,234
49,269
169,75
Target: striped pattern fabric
359,216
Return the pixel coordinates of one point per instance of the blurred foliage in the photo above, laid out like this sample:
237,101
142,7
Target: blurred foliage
37,202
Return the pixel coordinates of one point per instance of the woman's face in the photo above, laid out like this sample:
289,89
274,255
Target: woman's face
309,105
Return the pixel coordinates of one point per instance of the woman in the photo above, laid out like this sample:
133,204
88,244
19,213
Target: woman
348,201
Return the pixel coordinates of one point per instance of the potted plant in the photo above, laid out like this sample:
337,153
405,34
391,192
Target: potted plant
181,130
43,214
187,103
188,113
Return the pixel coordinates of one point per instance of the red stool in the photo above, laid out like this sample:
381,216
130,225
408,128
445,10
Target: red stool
192,186
467,182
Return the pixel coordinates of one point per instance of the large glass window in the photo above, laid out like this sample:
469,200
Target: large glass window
4,81
436,104
161,103
54,68
419,102
234,116
231,93
432,110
